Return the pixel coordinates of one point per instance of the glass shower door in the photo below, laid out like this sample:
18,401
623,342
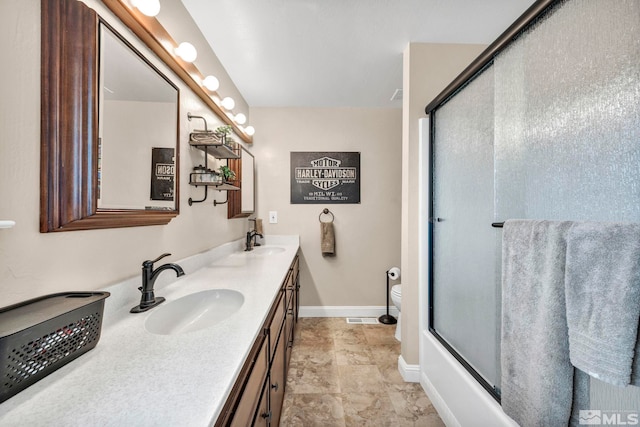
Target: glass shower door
465,269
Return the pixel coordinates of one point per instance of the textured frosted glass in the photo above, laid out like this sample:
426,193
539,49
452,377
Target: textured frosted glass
464,255
567,116
567,126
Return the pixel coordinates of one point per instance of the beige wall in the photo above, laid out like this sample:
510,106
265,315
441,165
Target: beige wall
134,129
32,263
367,234
428,68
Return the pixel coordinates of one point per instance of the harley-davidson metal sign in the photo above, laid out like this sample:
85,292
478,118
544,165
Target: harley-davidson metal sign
325,177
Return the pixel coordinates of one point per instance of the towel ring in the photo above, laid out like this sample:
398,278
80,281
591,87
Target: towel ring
325,211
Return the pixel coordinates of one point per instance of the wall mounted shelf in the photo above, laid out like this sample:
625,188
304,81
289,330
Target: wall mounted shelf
219,151
215,144
225,186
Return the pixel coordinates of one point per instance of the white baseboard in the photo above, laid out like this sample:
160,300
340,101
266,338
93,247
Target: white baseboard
409,373
346,311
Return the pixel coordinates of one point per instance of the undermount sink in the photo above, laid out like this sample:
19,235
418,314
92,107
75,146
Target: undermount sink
266,250
194,312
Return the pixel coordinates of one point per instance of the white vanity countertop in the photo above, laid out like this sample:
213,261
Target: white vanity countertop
136,378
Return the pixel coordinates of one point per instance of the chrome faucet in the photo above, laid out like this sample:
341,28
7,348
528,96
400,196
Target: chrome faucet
149,276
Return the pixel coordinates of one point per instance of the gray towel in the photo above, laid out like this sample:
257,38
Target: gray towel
537,376
581,396
603,298
327,238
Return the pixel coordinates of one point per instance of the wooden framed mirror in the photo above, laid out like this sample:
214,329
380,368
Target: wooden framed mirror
242,203
71,148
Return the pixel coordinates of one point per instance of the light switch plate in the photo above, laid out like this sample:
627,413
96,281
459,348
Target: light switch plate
273,217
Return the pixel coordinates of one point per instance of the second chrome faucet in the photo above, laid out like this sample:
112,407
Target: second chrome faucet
149,276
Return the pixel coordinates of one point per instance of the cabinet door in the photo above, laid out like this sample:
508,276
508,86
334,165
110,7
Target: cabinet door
264,414
288,333
247,406
278,378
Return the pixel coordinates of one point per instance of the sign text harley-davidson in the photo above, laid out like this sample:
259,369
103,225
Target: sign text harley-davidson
325,177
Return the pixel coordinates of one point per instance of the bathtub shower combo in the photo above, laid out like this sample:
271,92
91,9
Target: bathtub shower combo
545,125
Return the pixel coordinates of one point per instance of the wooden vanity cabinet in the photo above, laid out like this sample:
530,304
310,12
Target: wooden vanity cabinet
256,397
247,393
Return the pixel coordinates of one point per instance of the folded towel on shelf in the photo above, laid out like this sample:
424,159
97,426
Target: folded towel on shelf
327,238
204,137
603,298
537,375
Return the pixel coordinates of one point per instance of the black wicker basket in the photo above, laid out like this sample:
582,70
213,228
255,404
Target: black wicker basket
40,335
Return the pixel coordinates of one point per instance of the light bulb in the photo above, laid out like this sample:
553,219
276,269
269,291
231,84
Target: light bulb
241,119
211,83
249,130
147,7
228,103
187,52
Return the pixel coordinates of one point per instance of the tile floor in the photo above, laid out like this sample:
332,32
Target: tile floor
347,375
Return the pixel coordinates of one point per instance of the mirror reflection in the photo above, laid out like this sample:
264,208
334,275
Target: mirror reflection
248,182
138,130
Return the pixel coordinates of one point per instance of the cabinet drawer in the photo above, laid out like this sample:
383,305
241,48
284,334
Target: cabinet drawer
248,404
276,321
289,289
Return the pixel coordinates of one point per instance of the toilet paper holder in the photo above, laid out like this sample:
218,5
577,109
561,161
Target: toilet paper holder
394,274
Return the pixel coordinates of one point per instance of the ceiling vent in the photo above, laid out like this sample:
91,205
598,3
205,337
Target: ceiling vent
397,95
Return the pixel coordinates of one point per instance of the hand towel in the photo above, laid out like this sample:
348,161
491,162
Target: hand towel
259,229
327,238
537,376
603,298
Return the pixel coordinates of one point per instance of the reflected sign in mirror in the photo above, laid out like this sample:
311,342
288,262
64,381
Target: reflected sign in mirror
138,117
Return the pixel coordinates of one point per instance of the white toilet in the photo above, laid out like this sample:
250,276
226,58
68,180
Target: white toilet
396,297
